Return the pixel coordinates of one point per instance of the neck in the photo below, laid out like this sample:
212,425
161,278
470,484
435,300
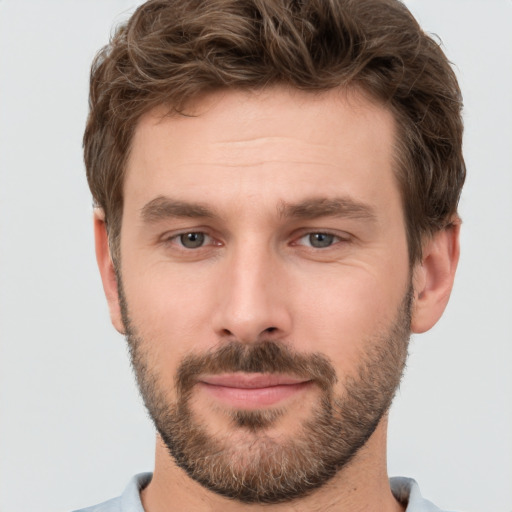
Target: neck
361,485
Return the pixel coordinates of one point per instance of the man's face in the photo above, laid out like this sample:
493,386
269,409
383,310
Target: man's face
265,284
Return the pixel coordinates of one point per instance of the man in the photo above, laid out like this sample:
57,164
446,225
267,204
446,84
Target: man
276,184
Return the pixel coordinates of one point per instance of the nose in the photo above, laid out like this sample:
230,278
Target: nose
254,300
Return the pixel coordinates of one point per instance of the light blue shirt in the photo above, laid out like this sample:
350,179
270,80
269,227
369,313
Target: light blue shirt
406,490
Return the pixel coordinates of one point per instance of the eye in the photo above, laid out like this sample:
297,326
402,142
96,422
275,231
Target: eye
319,240
192,240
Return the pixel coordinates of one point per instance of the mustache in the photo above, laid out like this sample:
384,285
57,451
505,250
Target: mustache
261,357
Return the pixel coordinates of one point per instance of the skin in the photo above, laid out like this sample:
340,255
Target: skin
246,157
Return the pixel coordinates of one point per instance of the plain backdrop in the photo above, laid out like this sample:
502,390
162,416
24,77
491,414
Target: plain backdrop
72,428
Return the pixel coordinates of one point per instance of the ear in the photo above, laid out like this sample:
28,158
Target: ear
106,267
433,277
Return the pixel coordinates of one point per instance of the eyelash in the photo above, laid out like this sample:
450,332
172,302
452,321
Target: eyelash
177,240
336,239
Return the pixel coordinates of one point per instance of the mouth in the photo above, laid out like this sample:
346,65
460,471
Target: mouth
251,391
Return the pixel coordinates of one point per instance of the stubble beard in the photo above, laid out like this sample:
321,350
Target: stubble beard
247,464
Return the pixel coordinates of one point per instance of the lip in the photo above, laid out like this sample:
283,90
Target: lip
252,391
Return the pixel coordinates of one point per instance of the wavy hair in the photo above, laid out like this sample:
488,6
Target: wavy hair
171,51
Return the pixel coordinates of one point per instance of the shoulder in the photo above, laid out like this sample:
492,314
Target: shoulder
113,505
407,492
129,501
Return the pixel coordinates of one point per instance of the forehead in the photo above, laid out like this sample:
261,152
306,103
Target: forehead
279,141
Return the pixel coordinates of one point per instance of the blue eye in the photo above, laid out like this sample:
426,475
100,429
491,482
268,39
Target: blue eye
192,240
321,240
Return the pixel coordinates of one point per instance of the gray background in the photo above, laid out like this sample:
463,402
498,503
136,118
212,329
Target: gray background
72,429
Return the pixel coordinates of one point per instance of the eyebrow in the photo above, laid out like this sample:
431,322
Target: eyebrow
162,208
323,207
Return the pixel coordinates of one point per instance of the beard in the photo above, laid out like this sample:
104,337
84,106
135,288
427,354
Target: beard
244,462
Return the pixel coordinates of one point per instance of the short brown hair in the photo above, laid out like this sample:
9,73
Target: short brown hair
171,51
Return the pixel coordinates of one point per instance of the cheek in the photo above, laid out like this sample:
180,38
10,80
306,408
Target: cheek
349,311
169,310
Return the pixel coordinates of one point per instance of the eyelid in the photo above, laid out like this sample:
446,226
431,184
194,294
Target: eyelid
342,236
172,238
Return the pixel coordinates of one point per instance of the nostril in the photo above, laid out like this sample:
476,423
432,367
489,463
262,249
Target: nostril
270,329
